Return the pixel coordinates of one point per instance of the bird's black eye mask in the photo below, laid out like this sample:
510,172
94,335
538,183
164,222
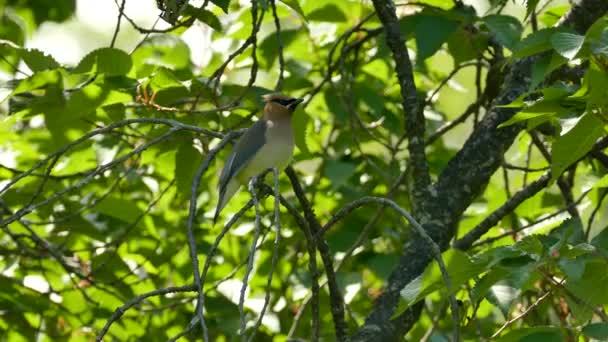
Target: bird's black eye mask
289,103
284,102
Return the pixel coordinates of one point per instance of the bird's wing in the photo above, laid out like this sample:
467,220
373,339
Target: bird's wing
246,148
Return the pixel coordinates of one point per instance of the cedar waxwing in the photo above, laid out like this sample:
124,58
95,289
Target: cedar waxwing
267,143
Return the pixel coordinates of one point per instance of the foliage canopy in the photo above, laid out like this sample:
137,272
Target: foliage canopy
489,125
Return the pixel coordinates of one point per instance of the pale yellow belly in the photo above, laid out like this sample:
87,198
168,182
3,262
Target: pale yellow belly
277,155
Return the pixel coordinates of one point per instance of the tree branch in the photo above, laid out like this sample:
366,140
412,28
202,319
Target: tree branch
335,295
414,118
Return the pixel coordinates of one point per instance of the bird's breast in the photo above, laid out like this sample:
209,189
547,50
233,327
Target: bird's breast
276,152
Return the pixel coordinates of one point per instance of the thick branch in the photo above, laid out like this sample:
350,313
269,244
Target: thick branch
414,118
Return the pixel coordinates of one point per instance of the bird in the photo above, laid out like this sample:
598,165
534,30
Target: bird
268,143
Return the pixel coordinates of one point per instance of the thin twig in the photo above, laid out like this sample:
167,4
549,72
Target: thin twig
191,240
277,25
85,180
275,251
135,301
521,315
121,10
106,129
249,267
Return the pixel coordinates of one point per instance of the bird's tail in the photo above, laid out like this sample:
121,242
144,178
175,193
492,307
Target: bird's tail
225,195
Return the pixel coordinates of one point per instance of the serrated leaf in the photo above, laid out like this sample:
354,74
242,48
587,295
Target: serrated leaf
530,7
573,145
37,60
567,44
506,29
299,122
108,61
534,43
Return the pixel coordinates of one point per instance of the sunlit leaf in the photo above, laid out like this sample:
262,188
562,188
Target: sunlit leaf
108,61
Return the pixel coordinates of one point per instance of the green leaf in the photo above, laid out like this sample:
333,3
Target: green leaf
12,37
120,208
600,241
204,16
37,81
339,172
592,286
503,295
460,269
535,334
294,5
327,13
186,163
465,45
544,66
270,46
163,79
431,32
223,4
530,7
161,50
602,183
600,46
37,60
598,331
108,61
506,29
551,16
541,108
299,121
573,145
91,97
567,44
534,43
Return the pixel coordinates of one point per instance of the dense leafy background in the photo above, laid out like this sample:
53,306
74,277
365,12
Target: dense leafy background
103,219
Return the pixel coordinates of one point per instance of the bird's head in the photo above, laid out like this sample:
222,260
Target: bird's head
278,106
